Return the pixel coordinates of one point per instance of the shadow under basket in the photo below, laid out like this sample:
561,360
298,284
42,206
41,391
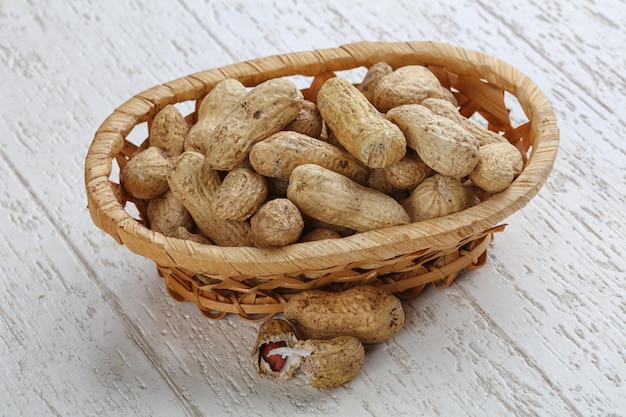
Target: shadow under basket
256,283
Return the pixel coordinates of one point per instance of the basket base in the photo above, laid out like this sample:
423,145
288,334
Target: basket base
258,298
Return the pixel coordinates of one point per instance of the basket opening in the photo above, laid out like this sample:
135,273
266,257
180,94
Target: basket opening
480,120
301,81
138,135
516,113
187,107
133,211
134,141
354,75
115,173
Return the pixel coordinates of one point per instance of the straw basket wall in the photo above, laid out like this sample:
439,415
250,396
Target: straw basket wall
255,283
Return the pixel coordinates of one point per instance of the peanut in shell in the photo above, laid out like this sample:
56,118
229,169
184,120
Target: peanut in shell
370,314
335,199
358,126
441,143
263,111
278,155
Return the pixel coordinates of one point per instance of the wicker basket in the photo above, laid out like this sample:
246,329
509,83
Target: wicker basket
256,283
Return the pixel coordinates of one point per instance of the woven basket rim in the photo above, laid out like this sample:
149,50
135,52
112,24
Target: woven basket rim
109,215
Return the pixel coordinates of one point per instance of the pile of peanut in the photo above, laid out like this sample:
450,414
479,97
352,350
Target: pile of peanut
265,167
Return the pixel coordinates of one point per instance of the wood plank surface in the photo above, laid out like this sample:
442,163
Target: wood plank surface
87,328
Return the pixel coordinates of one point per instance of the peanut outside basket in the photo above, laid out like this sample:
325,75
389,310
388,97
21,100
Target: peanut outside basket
256,283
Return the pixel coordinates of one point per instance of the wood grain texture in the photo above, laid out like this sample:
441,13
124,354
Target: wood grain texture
87,328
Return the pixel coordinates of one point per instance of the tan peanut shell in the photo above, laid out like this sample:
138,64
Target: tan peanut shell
374,74
145,174
332,363
240,194
169,131
443,108
498,165
166,214
279,154
441,143
370,314
308,121
358,126
220,100
312,223
333,198
407,173
212,109
474,194
320,234
328,363
448,96
184,233
194,183
483,136
281,332
264,110
410,84
436,196
277,223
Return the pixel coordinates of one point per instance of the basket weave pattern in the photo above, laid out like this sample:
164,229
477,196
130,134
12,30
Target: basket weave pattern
255,283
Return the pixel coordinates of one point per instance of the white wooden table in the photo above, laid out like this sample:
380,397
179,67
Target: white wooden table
87,329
